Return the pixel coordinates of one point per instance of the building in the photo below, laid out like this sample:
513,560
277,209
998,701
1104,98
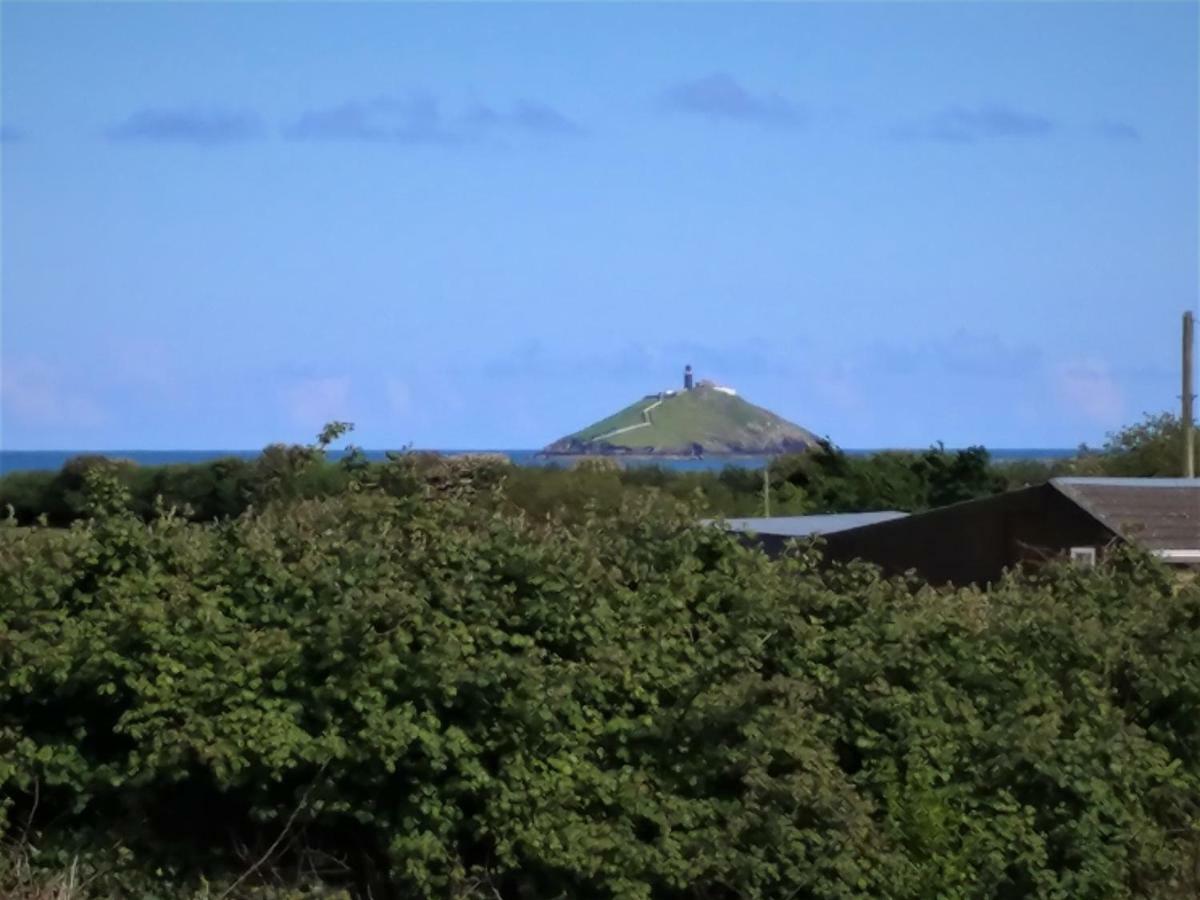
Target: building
687,378
975,541
774,532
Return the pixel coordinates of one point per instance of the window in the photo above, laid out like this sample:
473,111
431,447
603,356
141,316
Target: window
1084,557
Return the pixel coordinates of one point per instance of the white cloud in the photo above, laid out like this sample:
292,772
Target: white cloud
139,362
1089,390
839,390
399,396
312,402
33,392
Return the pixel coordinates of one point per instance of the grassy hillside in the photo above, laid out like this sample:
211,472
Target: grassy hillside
629,416
704,420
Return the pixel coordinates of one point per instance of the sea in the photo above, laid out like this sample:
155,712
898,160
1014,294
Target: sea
52,460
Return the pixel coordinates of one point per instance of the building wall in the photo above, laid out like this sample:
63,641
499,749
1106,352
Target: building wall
974,542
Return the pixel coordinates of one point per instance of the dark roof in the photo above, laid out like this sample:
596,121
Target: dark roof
806,526
1158,513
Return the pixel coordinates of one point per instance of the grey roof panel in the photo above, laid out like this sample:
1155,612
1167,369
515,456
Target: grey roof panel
807,526
1085,481
1158,513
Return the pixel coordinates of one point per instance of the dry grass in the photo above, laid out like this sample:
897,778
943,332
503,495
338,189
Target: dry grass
20,881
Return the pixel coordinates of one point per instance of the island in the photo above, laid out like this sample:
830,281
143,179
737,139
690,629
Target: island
702,418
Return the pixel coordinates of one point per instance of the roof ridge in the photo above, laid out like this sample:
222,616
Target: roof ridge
1059,483
1128,481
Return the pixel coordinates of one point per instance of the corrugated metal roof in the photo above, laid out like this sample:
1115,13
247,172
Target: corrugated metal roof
1158,513
806,526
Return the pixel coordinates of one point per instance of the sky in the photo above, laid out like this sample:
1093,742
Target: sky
488,225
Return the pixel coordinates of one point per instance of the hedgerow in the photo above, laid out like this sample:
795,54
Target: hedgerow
421,692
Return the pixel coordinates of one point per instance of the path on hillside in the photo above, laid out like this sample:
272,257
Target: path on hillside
645,416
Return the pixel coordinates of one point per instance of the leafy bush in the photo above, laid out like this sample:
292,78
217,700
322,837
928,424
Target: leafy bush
1152,447
823,480
415,690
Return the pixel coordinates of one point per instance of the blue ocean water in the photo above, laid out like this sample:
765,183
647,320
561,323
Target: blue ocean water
42,460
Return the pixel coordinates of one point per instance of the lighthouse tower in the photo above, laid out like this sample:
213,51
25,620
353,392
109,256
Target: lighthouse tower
687,378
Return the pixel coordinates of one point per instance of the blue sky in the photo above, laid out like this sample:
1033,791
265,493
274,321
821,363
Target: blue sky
488,225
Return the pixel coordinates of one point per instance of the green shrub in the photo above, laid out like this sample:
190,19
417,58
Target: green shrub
451,699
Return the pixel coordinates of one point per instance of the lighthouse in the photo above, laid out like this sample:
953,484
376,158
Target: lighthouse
687,378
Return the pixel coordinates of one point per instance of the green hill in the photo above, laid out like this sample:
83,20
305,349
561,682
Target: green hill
706,419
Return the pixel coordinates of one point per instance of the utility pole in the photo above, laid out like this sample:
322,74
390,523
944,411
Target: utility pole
1189,431
767,487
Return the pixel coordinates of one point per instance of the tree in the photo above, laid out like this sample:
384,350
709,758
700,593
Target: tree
1150,448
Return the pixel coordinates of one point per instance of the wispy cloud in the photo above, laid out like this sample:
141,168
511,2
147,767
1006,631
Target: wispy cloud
1090,390
655,363
719,96
1087,390
961,124
311,402
415,119
205,128
1117,131
34,392
399,396
957,355
533,359
526,115
418,119
10,135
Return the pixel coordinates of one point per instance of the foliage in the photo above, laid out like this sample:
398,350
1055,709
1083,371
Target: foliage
834,481
822,480
1152,447
414,689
